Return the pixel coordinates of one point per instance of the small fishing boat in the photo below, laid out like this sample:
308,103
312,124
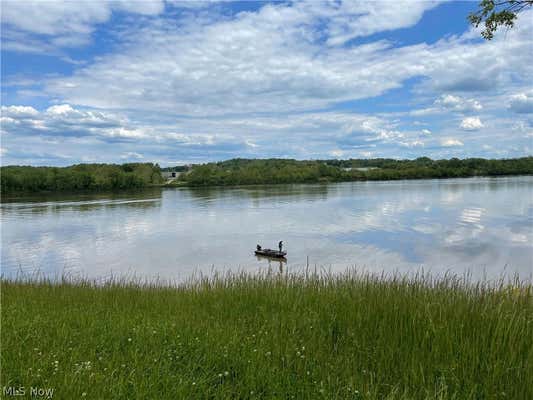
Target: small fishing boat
270,253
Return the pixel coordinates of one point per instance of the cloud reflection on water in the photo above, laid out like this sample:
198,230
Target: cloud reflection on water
482,225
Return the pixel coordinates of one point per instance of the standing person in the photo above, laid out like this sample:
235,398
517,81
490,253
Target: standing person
280,245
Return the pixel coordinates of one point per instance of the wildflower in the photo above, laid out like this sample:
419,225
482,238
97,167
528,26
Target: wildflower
226,373
83,394
194,383
220,375
129,339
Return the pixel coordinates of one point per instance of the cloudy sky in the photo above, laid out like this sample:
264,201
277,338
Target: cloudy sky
177,82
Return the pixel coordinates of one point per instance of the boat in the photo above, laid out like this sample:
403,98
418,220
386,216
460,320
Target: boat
270,253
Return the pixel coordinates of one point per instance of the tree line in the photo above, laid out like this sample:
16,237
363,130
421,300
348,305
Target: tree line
88,177
270,171
79,177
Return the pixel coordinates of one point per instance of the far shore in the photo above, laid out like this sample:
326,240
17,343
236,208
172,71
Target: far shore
244,172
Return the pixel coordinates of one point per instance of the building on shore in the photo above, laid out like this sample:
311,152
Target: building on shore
170,174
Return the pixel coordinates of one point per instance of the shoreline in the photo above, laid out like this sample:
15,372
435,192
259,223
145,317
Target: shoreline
326,182
182,184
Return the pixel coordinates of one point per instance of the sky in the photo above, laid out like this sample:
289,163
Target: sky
177,82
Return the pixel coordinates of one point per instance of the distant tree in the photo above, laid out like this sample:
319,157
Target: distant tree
245,172
79,177
497,13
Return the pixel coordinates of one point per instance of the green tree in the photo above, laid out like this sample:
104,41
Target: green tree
494,14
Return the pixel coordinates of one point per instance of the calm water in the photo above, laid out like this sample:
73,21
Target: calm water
480,225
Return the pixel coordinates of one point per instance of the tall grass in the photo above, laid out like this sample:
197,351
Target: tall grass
238,336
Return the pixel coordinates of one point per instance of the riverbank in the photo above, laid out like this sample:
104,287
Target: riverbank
348,336
20,180
279,171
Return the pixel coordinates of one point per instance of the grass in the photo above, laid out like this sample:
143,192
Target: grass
270,337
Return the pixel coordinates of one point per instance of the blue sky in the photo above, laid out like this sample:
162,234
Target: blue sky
178,82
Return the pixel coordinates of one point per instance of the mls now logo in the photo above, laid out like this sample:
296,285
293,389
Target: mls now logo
33,391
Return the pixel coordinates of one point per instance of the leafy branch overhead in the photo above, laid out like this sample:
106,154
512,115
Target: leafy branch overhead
497,13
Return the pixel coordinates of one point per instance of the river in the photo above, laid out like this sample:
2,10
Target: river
482,227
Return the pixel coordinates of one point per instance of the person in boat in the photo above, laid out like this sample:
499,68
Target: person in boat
280,245
258,248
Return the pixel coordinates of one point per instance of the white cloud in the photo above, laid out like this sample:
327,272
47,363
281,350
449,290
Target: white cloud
251,144
336,153
55,17
275,60
58,120
220,84
451,142
471,124
458,103
43,26
19,112
303,135
349,19
131,155
423,112
413,143
63,109
67,130
522,103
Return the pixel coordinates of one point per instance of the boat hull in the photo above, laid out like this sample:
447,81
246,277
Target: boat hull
271,253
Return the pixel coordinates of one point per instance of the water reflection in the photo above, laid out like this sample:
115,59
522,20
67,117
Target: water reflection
483,225
203,197
272,262
54,203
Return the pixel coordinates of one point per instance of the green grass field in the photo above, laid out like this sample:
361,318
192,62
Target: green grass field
268,337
